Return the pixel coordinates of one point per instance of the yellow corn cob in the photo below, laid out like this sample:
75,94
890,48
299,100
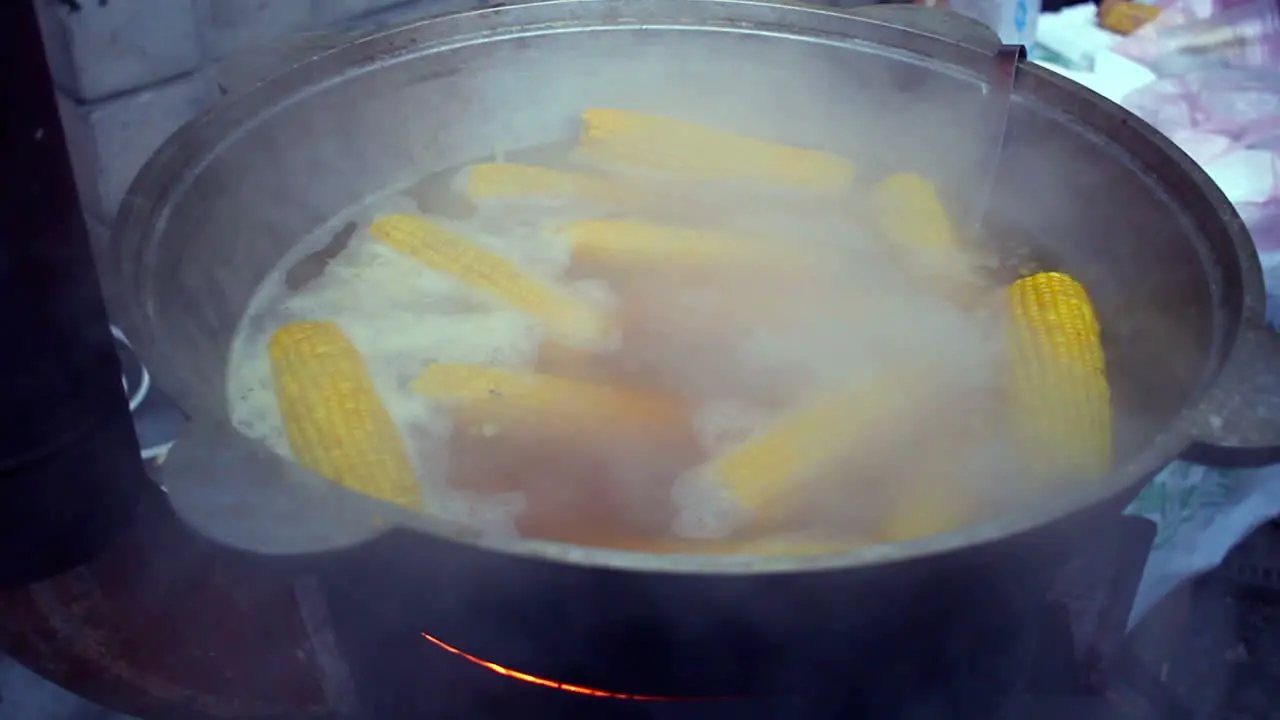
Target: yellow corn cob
907,209
1126,18
634,243
569,318
487,181
1061,403
763,477
335,422
492,398
630,140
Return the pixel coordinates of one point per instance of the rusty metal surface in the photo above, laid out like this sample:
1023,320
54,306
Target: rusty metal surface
165,625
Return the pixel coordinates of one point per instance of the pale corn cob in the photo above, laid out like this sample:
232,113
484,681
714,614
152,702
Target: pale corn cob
639,244
789,546
487,181
569,318
927,511
1060,400
773,545
335,422
556,358
907,209
932,497
638,141
763,478
492,398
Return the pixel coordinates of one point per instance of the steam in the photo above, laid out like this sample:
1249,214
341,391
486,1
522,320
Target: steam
838,305
742,349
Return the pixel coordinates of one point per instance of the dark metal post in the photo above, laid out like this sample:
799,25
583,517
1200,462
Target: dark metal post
70,474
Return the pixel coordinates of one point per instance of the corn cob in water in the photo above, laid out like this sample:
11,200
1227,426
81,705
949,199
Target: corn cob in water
637,141
335,422
504,181
569,318
907,209
491,398
777,545
638,244
931,504
932,498
761,480
514,182
1061,403
566,361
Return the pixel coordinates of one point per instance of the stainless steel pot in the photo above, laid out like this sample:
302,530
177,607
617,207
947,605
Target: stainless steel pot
1169,262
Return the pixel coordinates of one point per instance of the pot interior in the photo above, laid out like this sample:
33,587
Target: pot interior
1080,187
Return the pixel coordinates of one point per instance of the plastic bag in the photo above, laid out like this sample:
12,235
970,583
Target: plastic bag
1191,35
1218,97
1242,104
1228,121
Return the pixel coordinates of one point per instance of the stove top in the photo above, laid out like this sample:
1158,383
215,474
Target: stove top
1041,656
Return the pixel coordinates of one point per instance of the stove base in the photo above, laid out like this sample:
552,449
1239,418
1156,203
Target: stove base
1015,650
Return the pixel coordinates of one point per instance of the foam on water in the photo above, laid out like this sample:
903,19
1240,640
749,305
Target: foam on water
704,511
722,424
401,318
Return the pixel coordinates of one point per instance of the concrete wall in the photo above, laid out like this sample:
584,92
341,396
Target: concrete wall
129,72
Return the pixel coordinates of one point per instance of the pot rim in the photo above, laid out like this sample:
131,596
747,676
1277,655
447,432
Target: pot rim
164,177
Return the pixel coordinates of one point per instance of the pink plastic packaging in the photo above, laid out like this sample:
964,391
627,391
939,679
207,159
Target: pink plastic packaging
1218,97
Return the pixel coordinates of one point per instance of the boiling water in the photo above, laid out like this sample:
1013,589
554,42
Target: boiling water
402,317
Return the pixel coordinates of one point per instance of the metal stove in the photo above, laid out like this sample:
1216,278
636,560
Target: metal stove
1030,655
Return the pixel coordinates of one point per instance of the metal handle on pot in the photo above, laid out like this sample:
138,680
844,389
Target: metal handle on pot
238,492
1239,423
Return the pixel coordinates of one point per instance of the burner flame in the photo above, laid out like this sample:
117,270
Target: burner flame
553,684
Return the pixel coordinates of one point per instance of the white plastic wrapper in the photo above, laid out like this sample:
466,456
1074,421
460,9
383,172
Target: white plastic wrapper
1217,95
1202,512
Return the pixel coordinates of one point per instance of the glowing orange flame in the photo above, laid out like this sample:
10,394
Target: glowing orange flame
543,682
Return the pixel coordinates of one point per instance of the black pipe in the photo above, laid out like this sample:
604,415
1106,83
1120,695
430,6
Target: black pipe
70,472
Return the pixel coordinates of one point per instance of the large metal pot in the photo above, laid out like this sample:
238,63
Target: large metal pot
1169,263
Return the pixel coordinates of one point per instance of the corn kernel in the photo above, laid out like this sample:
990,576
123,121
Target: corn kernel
336,424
